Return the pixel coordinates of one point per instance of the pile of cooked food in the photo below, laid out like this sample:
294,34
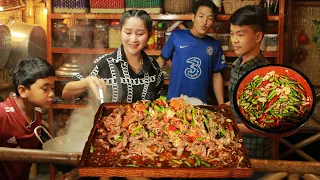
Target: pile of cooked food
167,134
274,101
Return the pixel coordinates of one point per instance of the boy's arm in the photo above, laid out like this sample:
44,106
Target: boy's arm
218,87
161,62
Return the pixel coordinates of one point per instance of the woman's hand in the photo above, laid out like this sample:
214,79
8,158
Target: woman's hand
93,83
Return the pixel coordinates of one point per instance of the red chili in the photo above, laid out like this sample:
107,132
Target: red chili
160,102
270,124
172,128
262,118
242,111
264,83
230,127
302,91
98,126
272,101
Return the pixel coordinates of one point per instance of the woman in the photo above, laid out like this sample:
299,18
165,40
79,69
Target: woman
128,71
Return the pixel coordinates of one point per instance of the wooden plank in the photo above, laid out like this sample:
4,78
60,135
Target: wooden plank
168,17
164,172
306,3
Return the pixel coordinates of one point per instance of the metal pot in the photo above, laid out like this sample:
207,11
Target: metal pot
5,46
27,40
69,69
72,143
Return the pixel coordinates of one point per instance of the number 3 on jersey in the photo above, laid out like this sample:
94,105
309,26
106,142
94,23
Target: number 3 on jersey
194,71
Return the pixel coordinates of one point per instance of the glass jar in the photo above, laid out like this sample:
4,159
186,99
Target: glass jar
100,35
87,34
224,40
114,34
272,42
263,44
74,36
59,34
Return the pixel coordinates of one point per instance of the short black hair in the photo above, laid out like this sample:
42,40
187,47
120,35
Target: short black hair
207,3
251,15
29,70
143,15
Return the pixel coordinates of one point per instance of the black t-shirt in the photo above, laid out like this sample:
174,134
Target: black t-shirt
126,85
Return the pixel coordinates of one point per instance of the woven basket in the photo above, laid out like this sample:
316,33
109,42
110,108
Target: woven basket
71,6
230,6
9,3
107,6
150,6
178,6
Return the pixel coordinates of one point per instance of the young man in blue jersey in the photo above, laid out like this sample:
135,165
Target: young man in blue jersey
196,58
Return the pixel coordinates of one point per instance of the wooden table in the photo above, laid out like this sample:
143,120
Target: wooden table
73,159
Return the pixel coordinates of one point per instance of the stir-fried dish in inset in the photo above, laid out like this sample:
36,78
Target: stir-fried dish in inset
274,101
167,134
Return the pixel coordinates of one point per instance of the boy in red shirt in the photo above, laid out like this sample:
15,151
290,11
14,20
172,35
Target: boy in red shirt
33,81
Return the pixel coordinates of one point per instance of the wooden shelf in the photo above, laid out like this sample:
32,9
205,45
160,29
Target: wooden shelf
306,3
168,17
95,51
149,52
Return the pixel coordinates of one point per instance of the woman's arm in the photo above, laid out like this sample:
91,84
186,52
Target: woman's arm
218,87
74,89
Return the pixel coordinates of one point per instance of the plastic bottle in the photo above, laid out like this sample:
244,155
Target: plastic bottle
160,37
155,34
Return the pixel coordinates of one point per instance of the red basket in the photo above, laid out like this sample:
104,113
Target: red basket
107,6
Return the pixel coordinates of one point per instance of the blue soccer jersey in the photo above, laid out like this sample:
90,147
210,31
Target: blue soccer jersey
194,60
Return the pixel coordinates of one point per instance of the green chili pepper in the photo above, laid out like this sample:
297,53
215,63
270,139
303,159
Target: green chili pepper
146,111
268,121
131,165
176,161
206,122
222,132
269,108
193,113
301,87
294,108
271,79
206,164
151,134
271,93
198,161
157,108
192,156
293,82
187,163
287,114
185,120
258,83
91,148
244,104
136,130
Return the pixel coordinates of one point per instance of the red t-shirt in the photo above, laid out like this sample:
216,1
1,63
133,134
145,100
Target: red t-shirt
16,132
